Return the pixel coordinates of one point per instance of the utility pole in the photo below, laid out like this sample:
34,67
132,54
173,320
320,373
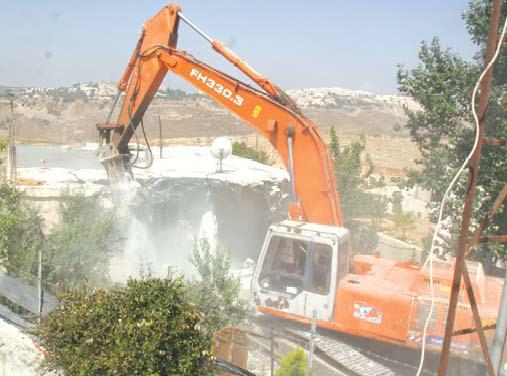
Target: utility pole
272,349
171,271
160,136
39,280
11,149
313,334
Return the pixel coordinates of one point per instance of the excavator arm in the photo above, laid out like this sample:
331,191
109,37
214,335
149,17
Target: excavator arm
269,111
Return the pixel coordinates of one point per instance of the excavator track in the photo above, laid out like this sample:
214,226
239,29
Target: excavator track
355,356
345,357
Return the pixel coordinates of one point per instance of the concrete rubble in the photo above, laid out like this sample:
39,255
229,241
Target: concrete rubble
18,355
177,200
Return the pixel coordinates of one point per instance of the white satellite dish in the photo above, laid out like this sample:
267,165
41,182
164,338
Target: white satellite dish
221,148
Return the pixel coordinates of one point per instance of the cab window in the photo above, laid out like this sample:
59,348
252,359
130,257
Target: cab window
343,259
284,265
321,269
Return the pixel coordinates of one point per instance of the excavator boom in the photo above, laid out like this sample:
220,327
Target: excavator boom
269,110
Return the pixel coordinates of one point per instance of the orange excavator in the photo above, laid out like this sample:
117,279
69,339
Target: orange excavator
303,269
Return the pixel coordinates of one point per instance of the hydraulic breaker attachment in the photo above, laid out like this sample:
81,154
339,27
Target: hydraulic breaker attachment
113,161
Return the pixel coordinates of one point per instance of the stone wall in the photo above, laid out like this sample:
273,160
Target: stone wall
395,249
47,199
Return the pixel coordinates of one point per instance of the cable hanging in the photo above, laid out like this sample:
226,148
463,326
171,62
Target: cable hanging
451,186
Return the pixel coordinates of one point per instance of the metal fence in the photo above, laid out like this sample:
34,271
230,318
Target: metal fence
271,363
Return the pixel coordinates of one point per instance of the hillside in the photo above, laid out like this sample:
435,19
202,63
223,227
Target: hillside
69,115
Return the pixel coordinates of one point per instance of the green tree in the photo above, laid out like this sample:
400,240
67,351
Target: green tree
442,85
353,169
351,178
294,364
397,200
146,328
9,218
241,149
3,145
77,251
404,222
334,145
20,235
378,210
215,291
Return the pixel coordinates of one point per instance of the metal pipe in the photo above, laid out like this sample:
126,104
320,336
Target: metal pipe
194,26
39,281
11,149
291,168
272,349
118,93
313,334
501,327
160,136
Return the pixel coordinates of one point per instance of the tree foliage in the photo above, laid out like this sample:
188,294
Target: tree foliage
215,291
352,179
178,94
443,129
294,364
354,170
441,85
404,222
20,234
74,254
77,251
145,328
241,149
3,144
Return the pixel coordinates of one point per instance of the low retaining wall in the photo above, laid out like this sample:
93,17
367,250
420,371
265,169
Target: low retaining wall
398,250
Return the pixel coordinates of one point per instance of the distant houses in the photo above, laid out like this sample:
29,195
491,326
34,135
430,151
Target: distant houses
336,97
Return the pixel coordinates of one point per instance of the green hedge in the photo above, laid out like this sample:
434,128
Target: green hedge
145,328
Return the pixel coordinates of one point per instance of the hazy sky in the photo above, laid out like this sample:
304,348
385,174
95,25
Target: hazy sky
346,43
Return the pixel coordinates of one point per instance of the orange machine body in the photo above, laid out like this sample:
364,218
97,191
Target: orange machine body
384,300
402,291
389,301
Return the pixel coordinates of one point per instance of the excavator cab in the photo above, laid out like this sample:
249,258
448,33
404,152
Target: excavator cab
299,268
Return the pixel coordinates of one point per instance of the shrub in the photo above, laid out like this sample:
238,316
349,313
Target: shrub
145,328
20,235
404,222
77,251
3,145
75,254
241,149
216,291
294,364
